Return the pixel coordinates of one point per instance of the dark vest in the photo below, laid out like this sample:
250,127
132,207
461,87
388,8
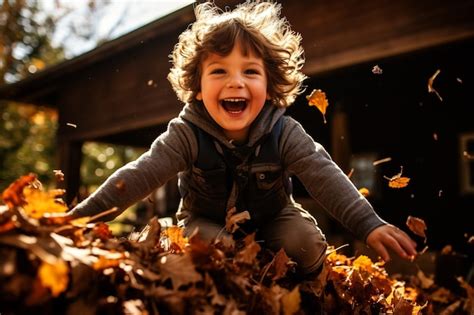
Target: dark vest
250,178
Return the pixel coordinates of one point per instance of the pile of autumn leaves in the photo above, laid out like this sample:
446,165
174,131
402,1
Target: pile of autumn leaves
53,264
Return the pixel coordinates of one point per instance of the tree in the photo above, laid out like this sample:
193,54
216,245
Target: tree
27,133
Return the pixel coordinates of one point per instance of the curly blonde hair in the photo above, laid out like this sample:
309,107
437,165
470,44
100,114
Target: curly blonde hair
257,25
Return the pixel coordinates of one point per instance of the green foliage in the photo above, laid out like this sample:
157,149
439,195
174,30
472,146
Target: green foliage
100,160
25,39
26,142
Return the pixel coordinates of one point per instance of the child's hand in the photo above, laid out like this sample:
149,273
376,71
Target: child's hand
389,236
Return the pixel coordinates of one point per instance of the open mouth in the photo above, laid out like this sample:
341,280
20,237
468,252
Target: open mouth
234,105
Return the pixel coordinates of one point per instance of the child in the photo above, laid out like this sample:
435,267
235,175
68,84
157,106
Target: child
232,146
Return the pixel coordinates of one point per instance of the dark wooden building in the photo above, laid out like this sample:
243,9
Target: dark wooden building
118,93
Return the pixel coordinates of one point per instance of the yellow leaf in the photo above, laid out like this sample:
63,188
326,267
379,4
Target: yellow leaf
364,192
363,262
318,98
81,222
54,276
39,202
291,302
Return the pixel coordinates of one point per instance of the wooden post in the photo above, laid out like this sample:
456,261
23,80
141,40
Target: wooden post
70,162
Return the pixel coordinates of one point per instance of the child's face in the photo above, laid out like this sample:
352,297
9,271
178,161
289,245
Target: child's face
233,90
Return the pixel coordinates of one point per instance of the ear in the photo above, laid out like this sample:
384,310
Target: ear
199,96
268,96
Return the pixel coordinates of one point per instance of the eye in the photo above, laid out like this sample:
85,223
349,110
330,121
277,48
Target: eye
251,71
217,71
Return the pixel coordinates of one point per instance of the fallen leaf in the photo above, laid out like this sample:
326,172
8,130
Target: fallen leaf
281,264
39,202
425,282
384,160
13,195
59,175
249,253
364,192
417,226
430,84
397,181
377,70
175,236
291,302
446,250
318,98
180,269
54,276
233,219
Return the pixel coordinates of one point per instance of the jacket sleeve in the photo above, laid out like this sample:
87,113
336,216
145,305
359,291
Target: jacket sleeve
325,181
169,154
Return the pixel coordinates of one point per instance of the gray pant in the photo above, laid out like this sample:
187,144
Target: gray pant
293,229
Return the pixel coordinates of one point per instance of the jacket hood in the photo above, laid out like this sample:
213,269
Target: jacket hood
197,114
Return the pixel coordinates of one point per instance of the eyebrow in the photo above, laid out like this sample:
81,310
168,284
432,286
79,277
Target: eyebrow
250,63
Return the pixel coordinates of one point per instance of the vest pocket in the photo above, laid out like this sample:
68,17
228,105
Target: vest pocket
267,180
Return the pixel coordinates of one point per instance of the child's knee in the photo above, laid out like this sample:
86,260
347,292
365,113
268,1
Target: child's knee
311,256
308,250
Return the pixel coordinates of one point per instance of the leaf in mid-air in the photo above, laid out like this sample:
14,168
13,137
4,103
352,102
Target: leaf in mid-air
318,98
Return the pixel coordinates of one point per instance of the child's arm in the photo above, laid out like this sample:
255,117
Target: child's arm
333,190
170,153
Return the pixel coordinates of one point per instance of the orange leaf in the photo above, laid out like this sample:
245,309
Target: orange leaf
318,98
397,181
417,226
364,192
54,276
175,236
13,195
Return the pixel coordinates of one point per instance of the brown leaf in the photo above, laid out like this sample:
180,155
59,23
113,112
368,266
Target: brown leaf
417,226
59,175
281,263
180,269
318,98
291,302
233,219
425,282
249,253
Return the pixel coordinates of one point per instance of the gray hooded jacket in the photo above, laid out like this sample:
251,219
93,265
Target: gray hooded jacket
176,150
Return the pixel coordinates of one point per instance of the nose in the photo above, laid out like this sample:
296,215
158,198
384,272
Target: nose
235,81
